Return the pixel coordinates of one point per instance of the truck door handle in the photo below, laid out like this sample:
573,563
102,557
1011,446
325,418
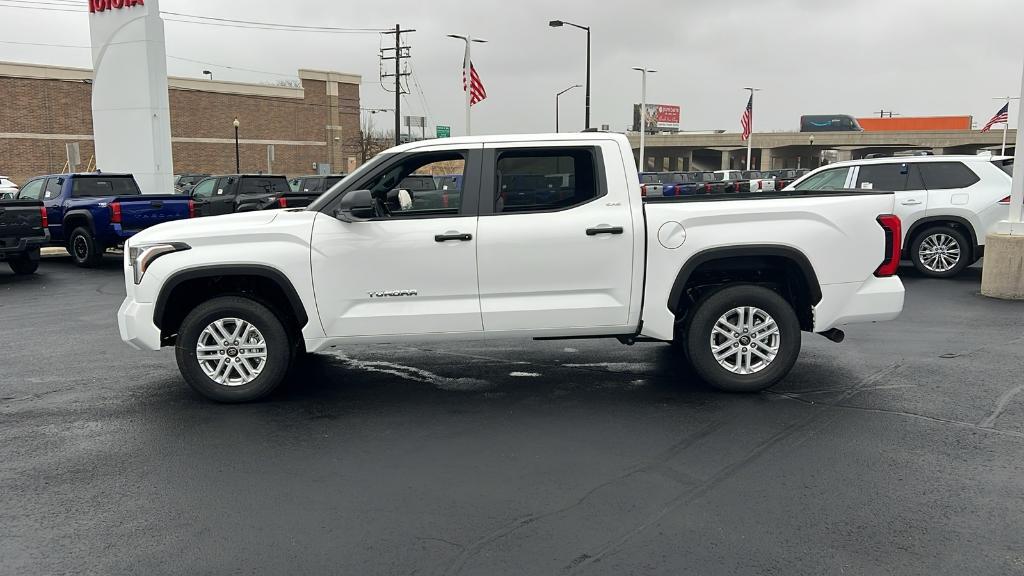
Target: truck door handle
611,230
156,204
910,202
448,237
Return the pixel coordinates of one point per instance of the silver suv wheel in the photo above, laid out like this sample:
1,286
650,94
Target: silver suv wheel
939,252
745,340
231,352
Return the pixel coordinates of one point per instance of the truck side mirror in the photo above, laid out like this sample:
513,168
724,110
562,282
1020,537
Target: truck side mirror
355,206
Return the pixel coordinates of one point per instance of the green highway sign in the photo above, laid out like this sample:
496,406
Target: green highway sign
444,131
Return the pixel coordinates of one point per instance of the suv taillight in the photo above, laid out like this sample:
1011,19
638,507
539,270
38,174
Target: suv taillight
46,219
282,202
115,212
1005,201
893,235
191,208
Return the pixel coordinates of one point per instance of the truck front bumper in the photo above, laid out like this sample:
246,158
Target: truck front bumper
135,322
875,300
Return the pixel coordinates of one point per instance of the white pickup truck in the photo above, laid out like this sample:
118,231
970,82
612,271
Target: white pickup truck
545,237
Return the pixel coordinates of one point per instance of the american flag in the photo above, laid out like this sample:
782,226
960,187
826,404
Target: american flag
748,117
1001,117
477,92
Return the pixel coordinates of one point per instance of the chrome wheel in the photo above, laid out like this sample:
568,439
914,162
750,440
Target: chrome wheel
231,352
745,340
939,252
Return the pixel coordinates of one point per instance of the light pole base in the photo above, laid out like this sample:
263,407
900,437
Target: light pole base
1003,274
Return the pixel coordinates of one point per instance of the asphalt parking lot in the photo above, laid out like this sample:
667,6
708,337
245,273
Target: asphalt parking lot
900,451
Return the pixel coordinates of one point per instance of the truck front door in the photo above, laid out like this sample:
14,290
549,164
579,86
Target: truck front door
556,245
412,269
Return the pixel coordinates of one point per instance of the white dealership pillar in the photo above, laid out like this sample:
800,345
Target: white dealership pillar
1003,275
130,106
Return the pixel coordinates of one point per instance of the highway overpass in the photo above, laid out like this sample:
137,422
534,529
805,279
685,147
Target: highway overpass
773,150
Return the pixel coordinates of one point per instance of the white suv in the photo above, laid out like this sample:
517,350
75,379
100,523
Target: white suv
947,203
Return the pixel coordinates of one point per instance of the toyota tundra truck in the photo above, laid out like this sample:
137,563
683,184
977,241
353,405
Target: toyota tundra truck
732,280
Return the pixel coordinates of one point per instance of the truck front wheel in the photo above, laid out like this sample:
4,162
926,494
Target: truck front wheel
233,349
84,249
742,338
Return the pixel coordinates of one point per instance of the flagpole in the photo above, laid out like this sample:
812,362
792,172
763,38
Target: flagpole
467,75
1006,126
750,139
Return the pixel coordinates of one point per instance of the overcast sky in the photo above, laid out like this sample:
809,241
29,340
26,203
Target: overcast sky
914,57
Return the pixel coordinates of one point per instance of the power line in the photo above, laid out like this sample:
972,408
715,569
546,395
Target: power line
297,27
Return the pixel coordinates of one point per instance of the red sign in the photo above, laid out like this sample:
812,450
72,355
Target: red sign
104,5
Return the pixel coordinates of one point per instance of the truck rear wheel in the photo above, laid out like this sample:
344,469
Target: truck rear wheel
232,349
24,264
83,248
743,338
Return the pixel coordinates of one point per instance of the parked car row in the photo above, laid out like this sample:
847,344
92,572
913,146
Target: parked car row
91,213
716,182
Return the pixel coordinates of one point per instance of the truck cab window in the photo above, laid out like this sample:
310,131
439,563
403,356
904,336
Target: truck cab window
53,188
410,188
544,180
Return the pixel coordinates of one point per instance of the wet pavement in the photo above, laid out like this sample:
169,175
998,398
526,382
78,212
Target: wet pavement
900,451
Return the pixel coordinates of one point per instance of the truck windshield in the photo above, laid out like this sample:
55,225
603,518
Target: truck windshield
82,186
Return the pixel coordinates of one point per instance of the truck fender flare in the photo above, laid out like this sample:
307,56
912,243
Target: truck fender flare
211,271
710,254
74,214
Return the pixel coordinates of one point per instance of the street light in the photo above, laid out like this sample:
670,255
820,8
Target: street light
467,75
811,140
559,24
643,114
208,73
557,96
238,159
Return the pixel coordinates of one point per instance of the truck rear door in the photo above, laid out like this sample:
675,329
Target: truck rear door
555,248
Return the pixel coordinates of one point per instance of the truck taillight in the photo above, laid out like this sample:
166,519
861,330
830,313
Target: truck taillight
707,188
760,184
46,219
893,235
282,202
643,190
191,208
115,212
1005,201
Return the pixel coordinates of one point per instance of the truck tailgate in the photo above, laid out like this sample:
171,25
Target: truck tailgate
20,219
140,212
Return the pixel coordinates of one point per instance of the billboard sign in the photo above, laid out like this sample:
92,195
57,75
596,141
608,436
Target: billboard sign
657,118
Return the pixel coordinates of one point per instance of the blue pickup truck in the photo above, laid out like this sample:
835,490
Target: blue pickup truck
89,213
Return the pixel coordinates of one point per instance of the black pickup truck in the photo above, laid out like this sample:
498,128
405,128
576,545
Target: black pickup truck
246,193
23,231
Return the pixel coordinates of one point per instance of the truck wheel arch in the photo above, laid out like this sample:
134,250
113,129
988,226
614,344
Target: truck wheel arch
743,256
287,301
74,218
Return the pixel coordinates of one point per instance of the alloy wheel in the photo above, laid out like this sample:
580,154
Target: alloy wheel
939,252
231,352
745,340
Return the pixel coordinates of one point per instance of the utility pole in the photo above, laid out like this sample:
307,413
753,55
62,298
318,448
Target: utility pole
1006,125
400,52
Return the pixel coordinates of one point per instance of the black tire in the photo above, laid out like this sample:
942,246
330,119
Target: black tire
701,326
24,264
84,250
964,256
278,349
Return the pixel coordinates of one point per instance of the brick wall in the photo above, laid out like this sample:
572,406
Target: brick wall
316,128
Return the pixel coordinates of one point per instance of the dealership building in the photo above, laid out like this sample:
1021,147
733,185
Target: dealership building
305,129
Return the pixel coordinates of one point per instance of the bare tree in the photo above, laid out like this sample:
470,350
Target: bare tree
370,142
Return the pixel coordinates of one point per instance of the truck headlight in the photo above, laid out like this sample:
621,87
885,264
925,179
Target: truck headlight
141,256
